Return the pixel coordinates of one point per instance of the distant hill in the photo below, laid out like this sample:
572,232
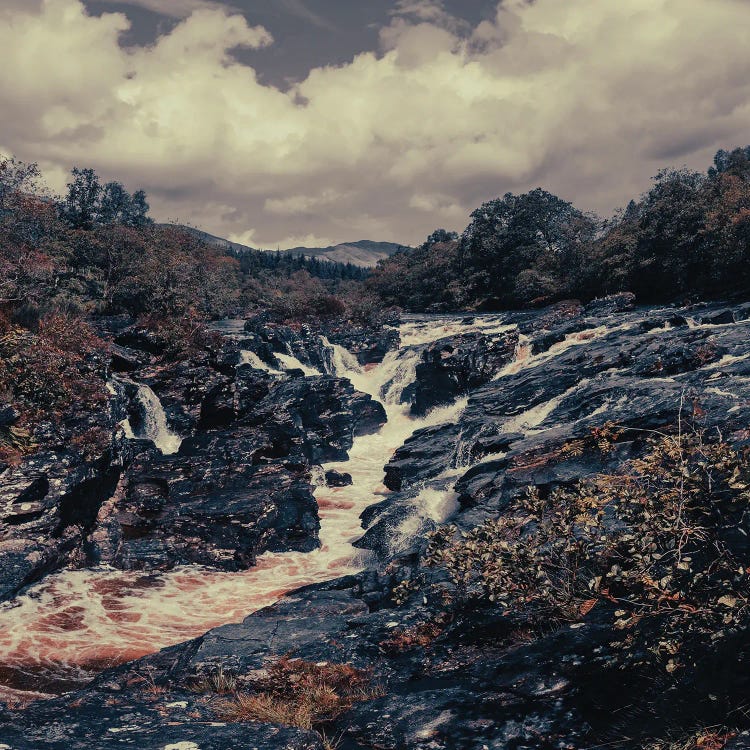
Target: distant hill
363,253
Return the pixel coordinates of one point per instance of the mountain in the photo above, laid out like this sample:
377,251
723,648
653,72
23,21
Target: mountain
364,253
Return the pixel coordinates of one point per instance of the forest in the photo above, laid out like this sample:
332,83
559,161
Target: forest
686,238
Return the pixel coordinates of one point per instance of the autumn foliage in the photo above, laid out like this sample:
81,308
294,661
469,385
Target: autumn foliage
659,545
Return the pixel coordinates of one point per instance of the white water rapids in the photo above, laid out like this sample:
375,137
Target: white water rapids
62,631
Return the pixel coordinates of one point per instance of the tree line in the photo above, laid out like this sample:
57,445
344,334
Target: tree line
96,251
686,238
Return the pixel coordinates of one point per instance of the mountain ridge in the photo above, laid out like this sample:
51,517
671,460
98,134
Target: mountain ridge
363,253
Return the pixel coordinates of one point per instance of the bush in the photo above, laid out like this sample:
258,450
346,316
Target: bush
660,541
301,694
48,375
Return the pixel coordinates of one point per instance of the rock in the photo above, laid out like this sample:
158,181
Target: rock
127,360
254,343
49,500
338,479
142,339
9,415
177,721
48,504
614,303
452,367
219,503
328,411
368,345
720,317
423,456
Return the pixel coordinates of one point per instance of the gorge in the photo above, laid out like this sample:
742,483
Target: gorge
452,423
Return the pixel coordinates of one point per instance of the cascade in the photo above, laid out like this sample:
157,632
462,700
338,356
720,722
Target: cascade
252,359
155,425
62,631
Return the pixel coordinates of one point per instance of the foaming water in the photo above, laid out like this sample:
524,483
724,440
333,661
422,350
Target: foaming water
252,359
422,331
63,631
290,362
155,425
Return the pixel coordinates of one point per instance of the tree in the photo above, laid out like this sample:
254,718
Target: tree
17,177
441,235
536,232
88,204
81,207
115,204
137,213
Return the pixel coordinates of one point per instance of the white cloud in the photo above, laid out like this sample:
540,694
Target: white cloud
588,98
302,204
429,11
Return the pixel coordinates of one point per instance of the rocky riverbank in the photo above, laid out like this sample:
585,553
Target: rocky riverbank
200,458
541,400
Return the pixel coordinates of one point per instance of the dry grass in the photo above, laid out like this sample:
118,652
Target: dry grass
416,636
217,681
298,693
706,739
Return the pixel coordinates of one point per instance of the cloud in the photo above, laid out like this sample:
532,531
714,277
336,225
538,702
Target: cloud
429,11
302,204
587,98
174,8
299,9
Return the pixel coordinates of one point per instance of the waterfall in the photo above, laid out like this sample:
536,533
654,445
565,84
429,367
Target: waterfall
129,615
290,362
155,425
252,359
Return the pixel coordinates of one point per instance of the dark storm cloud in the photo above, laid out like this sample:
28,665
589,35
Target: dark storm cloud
311,121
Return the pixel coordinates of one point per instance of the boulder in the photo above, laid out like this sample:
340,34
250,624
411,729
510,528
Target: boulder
454,366
338,479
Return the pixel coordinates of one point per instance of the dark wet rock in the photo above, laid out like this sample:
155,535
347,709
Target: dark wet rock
326,412
368,345
148,721
254,343
559,314
241,486
424,455
454,366
127,360
338,478
9,415
615,303
301,342
230,400
218,503
142,339
718,317
49,502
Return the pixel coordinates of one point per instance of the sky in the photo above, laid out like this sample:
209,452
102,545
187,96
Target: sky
280,123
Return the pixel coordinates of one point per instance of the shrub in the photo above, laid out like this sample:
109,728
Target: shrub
661,540
301,694
49,375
